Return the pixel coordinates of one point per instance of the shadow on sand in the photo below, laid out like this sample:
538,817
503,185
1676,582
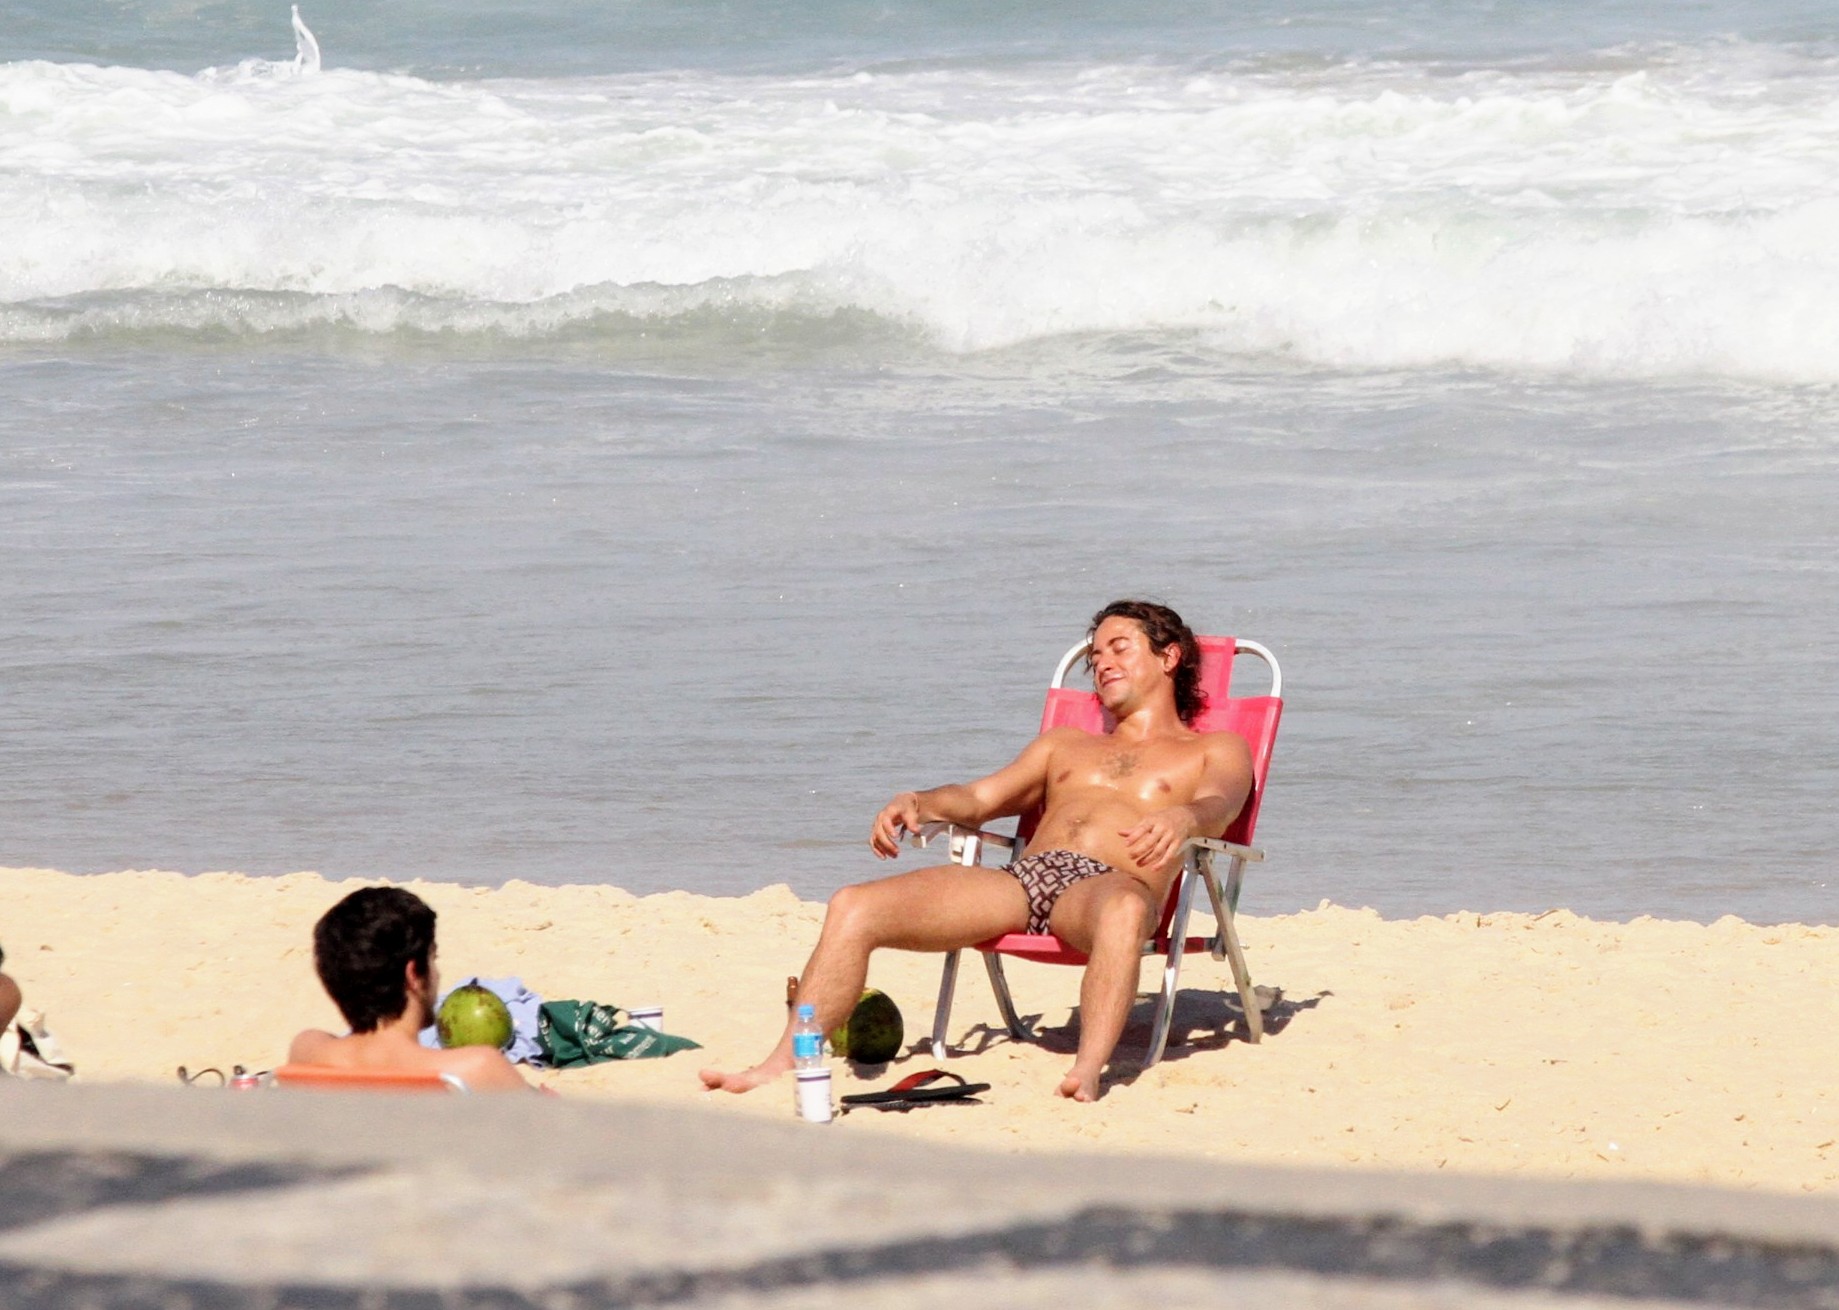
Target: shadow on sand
1203,1021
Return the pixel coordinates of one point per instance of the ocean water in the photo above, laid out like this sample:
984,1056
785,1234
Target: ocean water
627,441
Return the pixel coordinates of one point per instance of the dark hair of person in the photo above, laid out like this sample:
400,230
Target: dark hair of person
1164,628
361,947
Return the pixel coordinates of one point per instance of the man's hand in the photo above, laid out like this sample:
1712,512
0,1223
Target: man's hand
1158,836
900,815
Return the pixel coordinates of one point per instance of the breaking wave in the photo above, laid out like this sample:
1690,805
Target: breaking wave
1640,212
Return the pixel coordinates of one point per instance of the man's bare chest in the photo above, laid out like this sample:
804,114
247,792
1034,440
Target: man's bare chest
1157,771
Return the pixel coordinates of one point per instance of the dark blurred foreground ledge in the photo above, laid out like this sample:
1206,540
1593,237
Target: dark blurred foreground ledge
134,1196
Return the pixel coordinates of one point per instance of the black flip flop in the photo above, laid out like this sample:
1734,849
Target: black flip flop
918,1089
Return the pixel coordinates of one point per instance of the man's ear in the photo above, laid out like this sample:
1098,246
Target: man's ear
1171,657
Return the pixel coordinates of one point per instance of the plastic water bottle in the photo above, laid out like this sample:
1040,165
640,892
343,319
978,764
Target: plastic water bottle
807,1040
811,1080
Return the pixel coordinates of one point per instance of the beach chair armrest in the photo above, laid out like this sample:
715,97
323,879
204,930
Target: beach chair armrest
966,844
1252,853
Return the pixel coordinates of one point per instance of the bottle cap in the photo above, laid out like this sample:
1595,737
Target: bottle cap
807,1012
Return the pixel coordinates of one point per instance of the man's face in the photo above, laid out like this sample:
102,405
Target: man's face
1125,667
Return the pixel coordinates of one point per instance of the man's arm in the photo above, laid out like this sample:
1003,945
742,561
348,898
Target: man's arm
1226,782
1017,786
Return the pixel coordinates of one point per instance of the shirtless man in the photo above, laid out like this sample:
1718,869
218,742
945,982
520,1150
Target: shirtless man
374,951
1117,808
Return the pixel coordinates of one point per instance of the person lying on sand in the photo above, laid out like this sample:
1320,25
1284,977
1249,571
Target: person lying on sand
1117,808
374,951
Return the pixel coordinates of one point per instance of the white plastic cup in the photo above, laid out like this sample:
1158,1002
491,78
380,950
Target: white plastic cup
812,1100
648,1016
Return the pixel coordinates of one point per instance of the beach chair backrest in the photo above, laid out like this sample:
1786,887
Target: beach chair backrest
321,1077
1252,717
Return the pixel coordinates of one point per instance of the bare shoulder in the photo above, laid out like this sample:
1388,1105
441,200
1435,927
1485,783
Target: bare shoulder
483,1069
1226,752
312,1046
1040,752
1067,744
1225,743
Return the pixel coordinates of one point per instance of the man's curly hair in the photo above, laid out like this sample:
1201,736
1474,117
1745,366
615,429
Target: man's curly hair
1164,628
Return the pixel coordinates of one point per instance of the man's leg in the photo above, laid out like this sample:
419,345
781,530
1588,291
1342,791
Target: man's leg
1108,917
939,909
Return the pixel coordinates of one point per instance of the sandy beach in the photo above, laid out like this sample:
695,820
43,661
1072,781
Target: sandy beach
1549,1045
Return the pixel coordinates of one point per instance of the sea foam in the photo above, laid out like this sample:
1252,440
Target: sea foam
1640,212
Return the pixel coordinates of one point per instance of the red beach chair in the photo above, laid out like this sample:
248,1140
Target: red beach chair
1253,718
329,1078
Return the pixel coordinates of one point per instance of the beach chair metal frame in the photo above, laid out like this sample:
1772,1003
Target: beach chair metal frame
1256,719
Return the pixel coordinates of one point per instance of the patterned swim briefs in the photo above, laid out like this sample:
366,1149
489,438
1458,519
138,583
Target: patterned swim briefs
1046,874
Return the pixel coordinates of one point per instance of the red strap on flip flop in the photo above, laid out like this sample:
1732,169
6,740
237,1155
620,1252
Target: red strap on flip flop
925,1078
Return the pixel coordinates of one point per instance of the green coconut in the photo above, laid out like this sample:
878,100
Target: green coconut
873,1033
473,1016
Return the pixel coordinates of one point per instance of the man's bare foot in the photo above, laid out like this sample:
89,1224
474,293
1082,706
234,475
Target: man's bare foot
746,1080
1075,1088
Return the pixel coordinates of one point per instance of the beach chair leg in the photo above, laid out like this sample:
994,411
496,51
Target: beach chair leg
1242,978
1235,880
1171,971
941,1016
1004,1002
1216,944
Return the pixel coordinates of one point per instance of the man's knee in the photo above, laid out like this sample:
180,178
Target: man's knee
1125,915
850,911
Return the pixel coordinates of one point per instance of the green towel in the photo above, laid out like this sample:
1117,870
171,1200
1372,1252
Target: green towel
574,1033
